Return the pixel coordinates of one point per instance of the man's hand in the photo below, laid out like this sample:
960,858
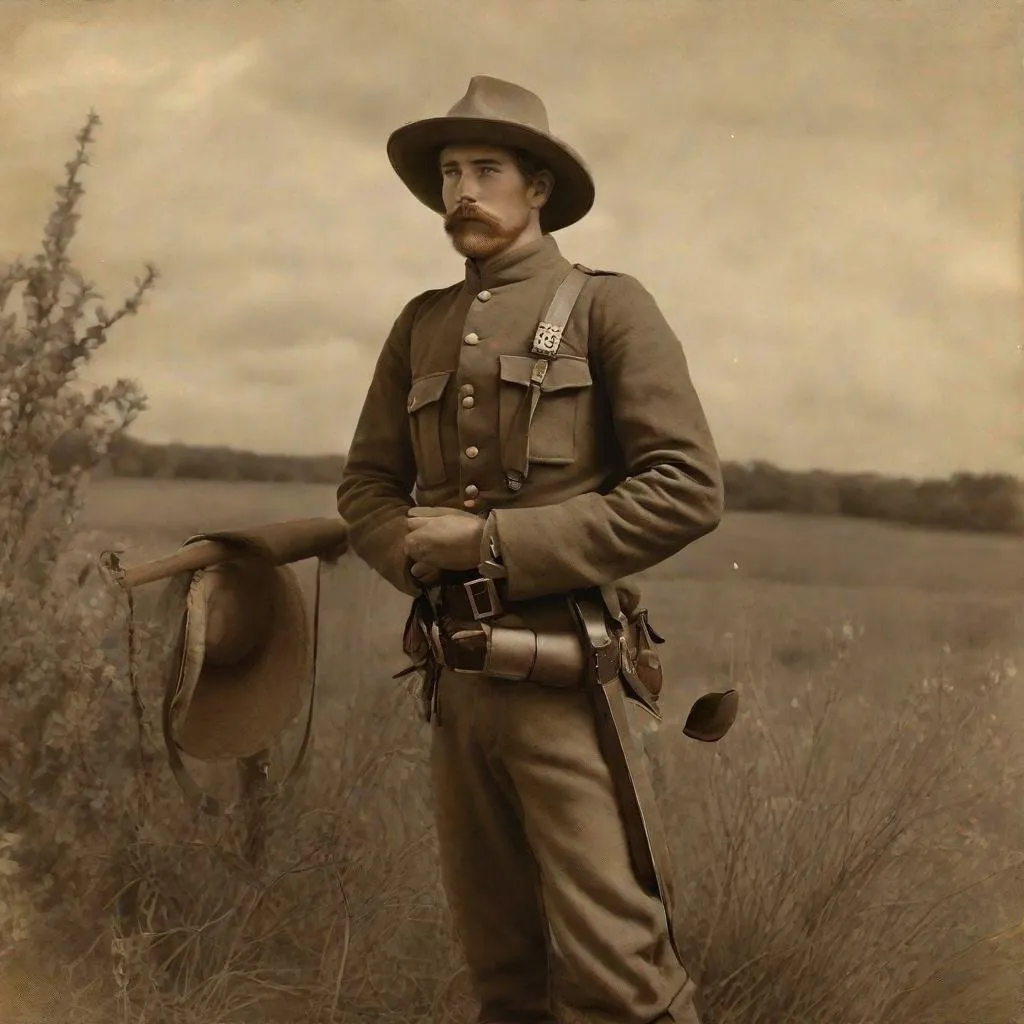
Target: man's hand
442,538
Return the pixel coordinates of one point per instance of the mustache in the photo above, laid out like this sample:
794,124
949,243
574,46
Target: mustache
469,212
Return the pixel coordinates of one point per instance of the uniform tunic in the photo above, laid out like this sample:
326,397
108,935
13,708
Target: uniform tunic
623,471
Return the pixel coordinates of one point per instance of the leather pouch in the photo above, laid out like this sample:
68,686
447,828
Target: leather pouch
549,659
647,664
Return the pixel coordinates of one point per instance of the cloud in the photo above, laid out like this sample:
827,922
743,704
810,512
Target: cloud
823,201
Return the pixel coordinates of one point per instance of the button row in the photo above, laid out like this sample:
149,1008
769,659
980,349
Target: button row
468,401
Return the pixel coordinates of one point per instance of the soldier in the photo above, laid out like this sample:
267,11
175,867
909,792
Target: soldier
545,416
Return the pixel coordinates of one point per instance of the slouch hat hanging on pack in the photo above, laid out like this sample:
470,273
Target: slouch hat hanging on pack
243,658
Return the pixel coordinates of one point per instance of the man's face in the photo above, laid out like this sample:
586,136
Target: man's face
488,204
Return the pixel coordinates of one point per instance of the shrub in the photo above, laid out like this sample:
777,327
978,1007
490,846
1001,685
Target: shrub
58,685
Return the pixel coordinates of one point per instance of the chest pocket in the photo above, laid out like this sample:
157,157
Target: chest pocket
542,432
424,408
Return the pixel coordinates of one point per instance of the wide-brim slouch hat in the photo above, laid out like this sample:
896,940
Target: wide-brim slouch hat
493,112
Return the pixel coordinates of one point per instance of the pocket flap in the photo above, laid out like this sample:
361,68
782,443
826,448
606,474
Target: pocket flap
563,373
427,389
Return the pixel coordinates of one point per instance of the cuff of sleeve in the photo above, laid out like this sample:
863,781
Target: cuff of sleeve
490,562
489,538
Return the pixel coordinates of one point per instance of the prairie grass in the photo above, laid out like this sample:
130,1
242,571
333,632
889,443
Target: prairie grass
848,853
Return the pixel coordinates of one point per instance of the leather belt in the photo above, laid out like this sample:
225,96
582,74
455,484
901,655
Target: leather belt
464,642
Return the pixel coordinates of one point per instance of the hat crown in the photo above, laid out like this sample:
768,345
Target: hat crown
498,100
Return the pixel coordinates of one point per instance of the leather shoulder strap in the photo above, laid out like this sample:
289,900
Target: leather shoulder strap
549,331
546,342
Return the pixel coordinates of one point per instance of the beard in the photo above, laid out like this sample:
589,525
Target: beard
478,235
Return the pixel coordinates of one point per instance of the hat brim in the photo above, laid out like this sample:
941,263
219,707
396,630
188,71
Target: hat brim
414,150
234,711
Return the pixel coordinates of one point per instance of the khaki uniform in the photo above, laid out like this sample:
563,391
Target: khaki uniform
623,473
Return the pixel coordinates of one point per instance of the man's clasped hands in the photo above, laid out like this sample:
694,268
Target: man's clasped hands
442,538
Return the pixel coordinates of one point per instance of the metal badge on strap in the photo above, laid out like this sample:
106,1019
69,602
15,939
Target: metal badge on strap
547,339
546,342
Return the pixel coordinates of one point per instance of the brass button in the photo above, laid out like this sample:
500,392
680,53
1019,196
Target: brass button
467,389
468,402
484,295
472,491
472,452
472,338
469,504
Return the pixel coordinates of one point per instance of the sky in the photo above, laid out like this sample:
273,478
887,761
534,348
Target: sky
824,199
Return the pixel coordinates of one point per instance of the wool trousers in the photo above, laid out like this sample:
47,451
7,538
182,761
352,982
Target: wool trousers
536,866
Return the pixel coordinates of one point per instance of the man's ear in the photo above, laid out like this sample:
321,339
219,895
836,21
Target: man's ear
541,188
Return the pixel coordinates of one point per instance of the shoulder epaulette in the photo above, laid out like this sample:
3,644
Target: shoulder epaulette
599,273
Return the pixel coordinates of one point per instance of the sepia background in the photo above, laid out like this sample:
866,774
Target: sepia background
824,198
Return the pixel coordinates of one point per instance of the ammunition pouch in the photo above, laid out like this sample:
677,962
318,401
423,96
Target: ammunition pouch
516,654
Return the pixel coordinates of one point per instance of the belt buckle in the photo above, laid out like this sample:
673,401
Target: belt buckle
483,586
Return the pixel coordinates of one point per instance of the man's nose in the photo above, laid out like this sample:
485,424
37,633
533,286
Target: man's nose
465,191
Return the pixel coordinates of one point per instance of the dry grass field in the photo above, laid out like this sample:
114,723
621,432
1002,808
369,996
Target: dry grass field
851,841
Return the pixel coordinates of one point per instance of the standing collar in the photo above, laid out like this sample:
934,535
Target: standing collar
513,266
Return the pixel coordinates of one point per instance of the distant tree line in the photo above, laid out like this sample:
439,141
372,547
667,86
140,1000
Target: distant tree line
986,502
989,502
129,457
